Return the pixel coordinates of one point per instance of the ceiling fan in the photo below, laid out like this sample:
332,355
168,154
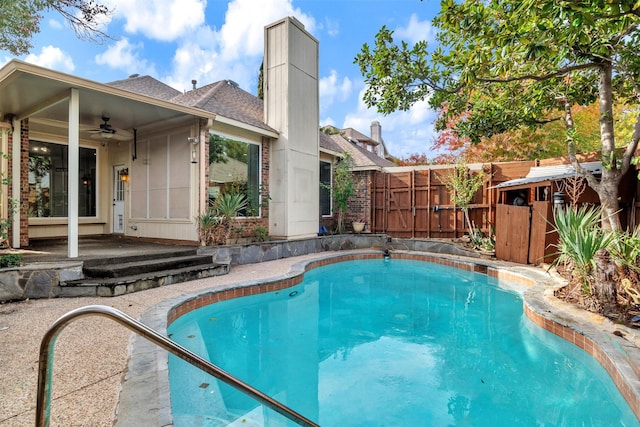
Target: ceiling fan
106,131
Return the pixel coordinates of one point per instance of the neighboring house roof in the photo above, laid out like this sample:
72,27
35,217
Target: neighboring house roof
362,159
550,173
328,144
354,134
232,170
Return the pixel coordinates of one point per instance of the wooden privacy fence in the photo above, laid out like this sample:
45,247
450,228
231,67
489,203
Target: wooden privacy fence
415,202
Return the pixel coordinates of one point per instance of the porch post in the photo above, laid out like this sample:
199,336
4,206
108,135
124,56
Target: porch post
73,173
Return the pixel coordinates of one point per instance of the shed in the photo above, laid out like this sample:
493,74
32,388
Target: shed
524,212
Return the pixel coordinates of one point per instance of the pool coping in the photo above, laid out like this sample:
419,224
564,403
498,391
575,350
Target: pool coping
145,398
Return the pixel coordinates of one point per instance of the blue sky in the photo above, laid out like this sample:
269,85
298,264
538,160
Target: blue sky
179,40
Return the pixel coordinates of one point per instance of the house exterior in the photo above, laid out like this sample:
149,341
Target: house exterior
132,157
368,155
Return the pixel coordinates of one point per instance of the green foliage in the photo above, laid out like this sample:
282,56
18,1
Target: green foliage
463,186
207,224
343,188
228,205
626,249
10,260
216,223
20,20
261,234
579,238
257,200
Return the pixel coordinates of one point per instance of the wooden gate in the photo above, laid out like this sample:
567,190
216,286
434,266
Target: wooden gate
417,204
513,233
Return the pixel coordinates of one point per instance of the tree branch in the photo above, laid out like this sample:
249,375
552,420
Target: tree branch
538,78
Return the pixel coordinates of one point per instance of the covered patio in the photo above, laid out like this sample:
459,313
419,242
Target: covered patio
116,127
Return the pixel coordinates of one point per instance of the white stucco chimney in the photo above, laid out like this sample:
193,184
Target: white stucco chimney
291,106
376,135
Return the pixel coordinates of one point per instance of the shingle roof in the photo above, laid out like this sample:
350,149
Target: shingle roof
146,85
352,133
226,99
361,157
223,98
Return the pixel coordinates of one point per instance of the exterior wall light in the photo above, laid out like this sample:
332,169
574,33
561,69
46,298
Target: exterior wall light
194,150
124,175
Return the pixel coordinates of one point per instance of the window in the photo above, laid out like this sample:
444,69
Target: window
234,167
48,180
325,188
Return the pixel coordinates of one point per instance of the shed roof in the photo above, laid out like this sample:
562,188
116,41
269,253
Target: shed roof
550,173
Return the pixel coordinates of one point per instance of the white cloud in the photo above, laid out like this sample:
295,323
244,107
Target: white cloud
333,27
243,30
415,31
164,20
404,132
124,56
53,58
55,24
235,50
334,90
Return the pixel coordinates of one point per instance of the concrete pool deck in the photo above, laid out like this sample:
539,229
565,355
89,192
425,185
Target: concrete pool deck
92,354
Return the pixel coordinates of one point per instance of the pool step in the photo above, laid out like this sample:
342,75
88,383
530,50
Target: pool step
119,276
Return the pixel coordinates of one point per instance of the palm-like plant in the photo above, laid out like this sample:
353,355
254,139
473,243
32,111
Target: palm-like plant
626,249
580,237
214,225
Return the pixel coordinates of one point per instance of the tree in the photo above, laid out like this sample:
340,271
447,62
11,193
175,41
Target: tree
20,20
517,64
343,188
463,186
521,144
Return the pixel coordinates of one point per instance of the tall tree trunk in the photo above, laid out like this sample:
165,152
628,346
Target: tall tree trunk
611,173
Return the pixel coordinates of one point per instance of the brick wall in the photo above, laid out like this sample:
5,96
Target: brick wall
359,206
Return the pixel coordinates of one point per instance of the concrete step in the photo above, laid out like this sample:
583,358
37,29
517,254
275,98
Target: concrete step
114,286
144,264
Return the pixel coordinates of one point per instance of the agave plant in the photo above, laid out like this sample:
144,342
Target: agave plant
227,207
207,223
580,237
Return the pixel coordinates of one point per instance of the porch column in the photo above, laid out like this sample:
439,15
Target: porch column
73,172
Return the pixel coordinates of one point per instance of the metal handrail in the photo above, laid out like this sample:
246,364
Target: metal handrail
45,362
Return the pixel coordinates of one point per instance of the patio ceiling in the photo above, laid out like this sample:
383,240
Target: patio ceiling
31,91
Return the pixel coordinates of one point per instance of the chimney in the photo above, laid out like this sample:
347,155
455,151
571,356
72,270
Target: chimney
194,83
376,131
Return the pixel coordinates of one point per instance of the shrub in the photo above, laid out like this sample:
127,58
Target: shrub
626,249
580,237
261,234
10,260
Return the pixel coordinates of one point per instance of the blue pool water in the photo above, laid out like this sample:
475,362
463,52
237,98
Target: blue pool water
388,343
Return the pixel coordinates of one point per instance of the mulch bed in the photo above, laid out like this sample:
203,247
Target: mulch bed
625,309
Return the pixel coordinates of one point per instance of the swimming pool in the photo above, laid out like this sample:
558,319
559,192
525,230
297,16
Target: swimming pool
396,342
